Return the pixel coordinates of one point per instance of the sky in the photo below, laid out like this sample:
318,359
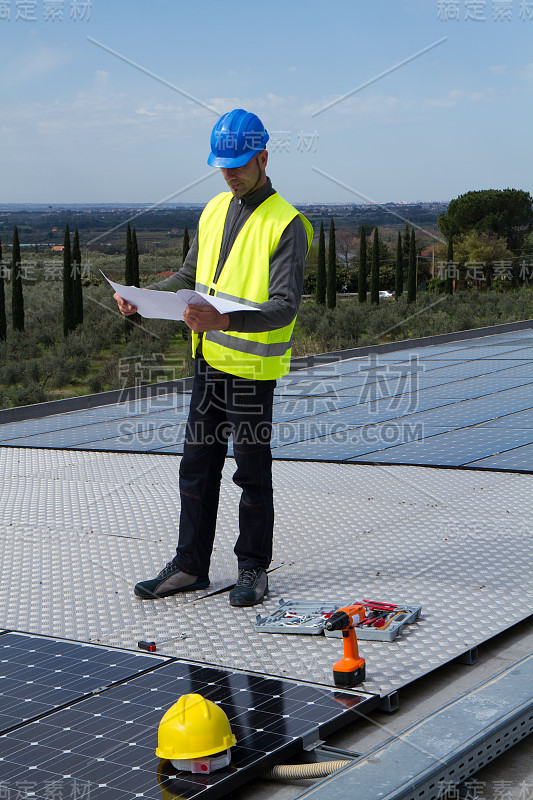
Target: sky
113,101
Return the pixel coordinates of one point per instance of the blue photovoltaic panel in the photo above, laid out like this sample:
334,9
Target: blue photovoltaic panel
356,442
469,369
106,744
455,448
87,433
289,432
39,674
154,438
520,419
129,444
463,413
520,458
522,392
330,449
468,390
524,370
176,450
450,386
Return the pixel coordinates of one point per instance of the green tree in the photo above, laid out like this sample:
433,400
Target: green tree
77,289
135,258
507,213
128,271
411,273
17,298
135,319
3,321
331,281
186,244
131,274
374,271
448,283
321,268
68,286
361,281
406,244
483,249
398,278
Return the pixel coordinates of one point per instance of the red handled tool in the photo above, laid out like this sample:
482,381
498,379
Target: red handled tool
151,647
350,670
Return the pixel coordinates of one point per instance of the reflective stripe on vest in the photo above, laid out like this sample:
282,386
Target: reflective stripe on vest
245,278
247,345
207,289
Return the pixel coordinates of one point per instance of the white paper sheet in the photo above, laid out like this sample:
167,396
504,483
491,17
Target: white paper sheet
171,305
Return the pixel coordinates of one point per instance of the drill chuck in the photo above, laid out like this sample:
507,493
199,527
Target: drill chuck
338,621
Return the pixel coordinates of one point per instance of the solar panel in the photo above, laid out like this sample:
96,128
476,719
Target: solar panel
454,448
520,458
355,392
39,674
106,744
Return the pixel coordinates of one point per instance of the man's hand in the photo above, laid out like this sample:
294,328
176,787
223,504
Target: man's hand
124,307
205,318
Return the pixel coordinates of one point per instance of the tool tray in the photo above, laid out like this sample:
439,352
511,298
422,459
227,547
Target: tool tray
295,616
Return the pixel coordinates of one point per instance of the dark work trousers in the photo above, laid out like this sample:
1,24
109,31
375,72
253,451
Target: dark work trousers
224,405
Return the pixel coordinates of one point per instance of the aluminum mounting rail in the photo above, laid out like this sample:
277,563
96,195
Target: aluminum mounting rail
445,748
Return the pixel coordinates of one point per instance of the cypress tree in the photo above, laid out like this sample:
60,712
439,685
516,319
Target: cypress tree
374,274
134,319
68,286
406,245
411,274
321,268
361,282
448,285
128,272
3,321
186,244
129,277
17,298
331,278
77,289
398,283
134,258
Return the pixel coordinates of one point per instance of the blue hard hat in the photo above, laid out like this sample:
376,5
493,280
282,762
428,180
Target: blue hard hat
236,138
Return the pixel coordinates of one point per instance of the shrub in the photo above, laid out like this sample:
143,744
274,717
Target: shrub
351,324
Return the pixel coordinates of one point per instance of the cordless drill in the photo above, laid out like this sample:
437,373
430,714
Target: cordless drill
350,670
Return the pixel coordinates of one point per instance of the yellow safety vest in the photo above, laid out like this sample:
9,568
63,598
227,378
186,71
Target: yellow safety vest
244,278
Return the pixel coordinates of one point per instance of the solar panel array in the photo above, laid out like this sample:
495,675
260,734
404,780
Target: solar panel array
102,747
464,403
39,675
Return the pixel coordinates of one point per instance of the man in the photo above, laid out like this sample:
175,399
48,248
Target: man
250,247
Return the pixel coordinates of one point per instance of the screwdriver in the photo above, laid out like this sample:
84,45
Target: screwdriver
151,647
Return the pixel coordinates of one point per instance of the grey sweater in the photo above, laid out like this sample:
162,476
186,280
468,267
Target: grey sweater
286,268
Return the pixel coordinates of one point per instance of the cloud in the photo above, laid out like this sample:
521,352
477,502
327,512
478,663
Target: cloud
38,62
499,69
453,97
528,71
101,77
362,108
146,112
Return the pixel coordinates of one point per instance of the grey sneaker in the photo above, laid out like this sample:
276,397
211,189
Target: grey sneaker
170,580
251,587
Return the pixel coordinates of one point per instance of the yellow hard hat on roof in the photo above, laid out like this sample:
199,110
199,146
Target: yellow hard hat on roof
194,728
